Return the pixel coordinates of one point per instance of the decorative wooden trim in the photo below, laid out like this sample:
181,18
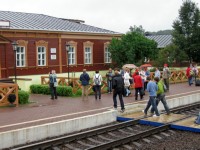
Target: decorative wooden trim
60,54
88,44
44,44
24,43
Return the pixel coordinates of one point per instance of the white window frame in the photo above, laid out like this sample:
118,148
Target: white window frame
40,61
88,55
72,55
107,55
19,55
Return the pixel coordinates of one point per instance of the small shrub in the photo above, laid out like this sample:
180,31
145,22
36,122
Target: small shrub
45,89
35,88
64,90
79,92
23,97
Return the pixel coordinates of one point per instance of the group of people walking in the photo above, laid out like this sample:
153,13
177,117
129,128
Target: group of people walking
120,82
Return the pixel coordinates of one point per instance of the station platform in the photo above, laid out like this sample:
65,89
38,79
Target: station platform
185,122
44,110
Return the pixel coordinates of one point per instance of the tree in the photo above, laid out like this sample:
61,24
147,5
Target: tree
136,29
186,30
170,54
133,47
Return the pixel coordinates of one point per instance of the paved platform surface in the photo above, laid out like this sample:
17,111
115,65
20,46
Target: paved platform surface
44,110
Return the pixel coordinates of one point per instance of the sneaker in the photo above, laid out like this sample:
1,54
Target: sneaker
151,114
168,113
114,108
122,110
155,116
145,115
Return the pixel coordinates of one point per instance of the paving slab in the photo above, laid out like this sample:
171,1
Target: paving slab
44,110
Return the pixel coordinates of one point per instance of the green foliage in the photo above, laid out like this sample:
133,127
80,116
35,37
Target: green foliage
136,29
134,47
23,97
45,89
79,92
186,30
40,89
64,91
169,54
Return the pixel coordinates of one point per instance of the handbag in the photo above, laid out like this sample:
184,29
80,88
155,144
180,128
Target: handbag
93,88
142,91
55,84
131,81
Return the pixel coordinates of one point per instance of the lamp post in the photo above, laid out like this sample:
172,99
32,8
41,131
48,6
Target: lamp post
14,44
67,46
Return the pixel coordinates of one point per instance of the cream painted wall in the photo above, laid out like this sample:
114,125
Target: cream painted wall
36,79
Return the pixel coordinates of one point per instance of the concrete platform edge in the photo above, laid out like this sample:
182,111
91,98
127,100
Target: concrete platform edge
36,133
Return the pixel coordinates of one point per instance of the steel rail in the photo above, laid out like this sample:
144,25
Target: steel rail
185,107
130,138
81,135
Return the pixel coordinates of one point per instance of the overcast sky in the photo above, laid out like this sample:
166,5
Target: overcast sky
116,15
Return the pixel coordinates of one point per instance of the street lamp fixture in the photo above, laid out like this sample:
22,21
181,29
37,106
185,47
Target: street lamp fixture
67,46
15,44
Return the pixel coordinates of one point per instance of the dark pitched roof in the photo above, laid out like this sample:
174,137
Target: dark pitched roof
162,40
30,21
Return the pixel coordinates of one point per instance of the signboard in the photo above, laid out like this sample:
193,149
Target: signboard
53,57
53,50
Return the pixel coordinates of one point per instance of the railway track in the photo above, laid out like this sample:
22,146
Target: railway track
126,135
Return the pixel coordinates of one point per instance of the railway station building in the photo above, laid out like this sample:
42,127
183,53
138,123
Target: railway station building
42,41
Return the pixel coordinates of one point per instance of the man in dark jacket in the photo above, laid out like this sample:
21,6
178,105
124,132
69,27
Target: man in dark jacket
118,89
84,78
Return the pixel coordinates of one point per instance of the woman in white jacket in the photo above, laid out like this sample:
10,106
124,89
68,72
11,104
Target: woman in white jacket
127,82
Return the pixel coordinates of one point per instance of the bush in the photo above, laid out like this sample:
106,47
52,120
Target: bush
23,97
79,92
40,89
44,89
64,91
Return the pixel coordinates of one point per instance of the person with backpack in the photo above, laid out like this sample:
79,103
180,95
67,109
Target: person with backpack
97,79
84,78
160,96
118,89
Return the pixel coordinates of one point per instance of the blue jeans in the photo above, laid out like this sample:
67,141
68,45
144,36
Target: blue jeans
190,82
152,102
109,82
161,97
115,93
53,91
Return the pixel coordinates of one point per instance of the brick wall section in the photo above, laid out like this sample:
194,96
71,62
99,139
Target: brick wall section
7,55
